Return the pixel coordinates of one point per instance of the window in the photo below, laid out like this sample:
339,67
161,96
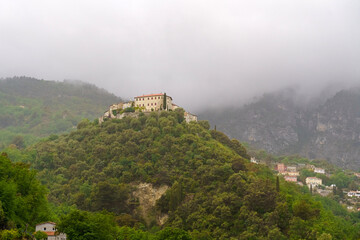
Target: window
155,103
151,98
151,104
44,228
148,98
53,229
148,104
143,99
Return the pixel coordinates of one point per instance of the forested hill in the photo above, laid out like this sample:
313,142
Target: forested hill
328,128
32,108
159,172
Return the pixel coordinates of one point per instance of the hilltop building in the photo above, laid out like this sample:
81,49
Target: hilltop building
146,104
154,102
50,229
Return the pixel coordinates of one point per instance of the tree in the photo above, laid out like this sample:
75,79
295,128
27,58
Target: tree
277,184
172,234
164,102
175,196
39,235
80,225
18,141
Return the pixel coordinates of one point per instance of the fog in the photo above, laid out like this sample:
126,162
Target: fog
200,52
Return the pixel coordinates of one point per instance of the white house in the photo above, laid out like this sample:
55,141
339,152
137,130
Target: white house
254,160
50,229
154,102
354,194
319,170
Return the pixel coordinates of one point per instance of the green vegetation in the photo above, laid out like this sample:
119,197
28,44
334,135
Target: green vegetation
32,109
22,199
214,191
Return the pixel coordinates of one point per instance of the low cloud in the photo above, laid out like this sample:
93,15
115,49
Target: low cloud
199,52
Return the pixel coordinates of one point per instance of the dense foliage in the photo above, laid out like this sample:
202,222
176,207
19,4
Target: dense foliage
214,191
32,108
22,199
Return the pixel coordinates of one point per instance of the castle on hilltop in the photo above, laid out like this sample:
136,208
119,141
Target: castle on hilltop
146,104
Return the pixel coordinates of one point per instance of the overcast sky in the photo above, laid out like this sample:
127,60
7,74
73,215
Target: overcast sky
196,51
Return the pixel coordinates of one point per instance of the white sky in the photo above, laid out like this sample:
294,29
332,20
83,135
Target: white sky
198,51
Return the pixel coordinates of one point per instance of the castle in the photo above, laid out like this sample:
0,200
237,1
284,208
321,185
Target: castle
146,104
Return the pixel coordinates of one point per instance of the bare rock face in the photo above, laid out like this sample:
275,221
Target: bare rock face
329,129
148,195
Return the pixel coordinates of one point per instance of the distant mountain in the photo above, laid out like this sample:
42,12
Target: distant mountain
32,108
328,128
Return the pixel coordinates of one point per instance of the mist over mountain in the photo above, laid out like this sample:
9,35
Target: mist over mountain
325,127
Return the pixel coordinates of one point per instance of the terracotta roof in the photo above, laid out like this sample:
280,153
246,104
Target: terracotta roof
150,95
45,222
50,233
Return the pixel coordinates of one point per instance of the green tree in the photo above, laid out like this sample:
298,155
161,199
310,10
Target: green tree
80,225
172,234
164,102
39,235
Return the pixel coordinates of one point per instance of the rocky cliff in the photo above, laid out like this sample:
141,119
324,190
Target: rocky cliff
328,128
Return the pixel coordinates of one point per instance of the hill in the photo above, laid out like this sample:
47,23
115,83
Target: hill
158,171
324,129
32,109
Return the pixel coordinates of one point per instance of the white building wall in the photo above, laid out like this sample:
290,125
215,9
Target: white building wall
153,102
45,227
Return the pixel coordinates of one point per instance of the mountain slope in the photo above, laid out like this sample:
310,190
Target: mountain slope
329,129
198,180
36,108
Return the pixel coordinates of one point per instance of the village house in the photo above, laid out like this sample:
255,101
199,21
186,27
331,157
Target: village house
293,173
301,165
290,178
313,181
291,169
319,170
353,193
254,160
50,229
310,167
281,168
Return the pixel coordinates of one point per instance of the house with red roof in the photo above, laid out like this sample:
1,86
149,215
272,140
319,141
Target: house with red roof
50,229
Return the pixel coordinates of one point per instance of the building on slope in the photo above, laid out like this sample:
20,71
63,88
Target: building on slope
146,104
313,181
50,229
